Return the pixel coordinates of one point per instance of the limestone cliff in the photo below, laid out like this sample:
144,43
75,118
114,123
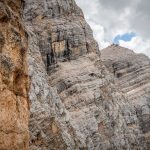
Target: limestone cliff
14,112
74,102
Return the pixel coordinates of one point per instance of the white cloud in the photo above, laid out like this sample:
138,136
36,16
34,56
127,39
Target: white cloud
138,45
109,18
99,34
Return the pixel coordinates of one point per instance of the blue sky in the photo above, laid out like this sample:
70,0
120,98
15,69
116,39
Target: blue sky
124,37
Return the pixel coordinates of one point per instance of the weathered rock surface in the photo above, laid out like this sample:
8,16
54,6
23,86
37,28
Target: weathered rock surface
14,114
74,103
60,28
132,72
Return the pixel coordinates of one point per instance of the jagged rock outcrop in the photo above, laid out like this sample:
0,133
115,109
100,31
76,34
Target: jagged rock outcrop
14,113
132,72
74,103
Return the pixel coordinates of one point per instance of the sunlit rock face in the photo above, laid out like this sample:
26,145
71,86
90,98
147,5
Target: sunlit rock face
132,77
14,133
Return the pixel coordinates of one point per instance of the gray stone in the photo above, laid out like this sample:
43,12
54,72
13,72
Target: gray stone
74,101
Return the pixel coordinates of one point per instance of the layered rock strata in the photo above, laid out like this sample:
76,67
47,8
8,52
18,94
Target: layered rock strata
14,113
74,103
132,77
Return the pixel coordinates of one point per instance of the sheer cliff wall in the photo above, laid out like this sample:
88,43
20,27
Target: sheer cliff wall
74,102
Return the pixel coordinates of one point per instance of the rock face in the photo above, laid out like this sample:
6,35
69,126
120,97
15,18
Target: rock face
132,73
74,102
61,30
14,112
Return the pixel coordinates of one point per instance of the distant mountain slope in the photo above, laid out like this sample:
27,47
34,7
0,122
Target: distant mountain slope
132,72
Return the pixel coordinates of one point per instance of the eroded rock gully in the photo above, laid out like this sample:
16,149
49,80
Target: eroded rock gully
74,102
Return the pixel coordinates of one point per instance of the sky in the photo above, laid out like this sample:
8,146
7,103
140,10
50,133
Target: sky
124,22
